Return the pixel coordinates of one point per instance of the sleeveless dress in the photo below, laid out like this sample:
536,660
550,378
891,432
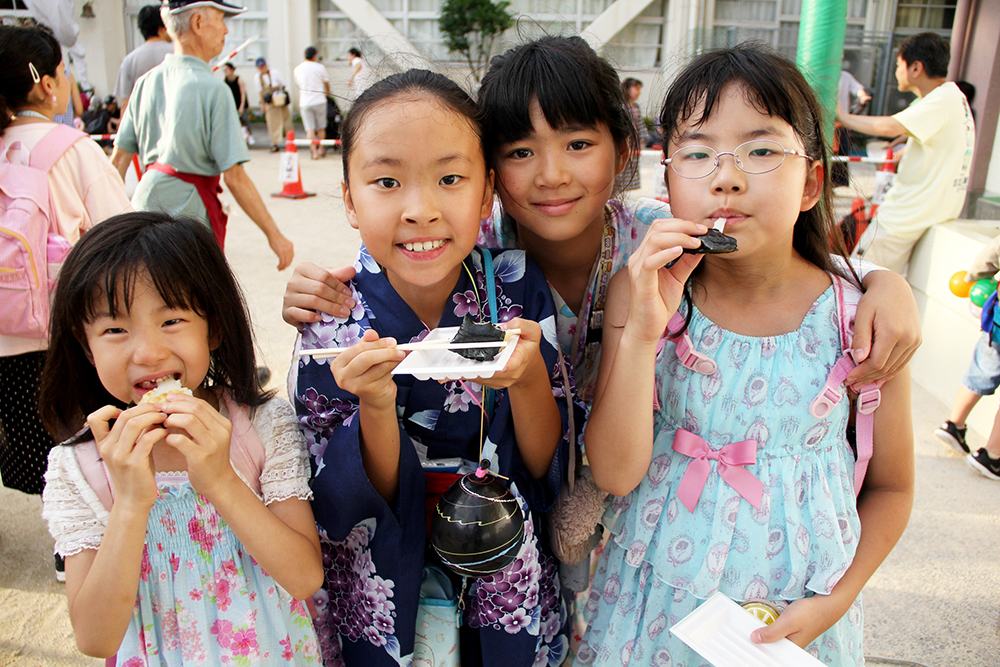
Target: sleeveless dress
663,559
202,599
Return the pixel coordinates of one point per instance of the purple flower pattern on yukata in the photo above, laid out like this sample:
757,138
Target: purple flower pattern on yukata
355,601
462,396
324,415
524,596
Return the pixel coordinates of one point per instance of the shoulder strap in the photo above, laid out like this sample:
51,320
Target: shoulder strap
53,145
95,472
868,398
246,451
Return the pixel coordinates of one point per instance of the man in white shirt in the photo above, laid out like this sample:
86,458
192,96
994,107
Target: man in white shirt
273,103
934,171
144,57
313,82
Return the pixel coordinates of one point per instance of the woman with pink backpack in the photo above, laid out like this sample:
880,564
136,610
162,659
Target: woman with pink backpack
54,185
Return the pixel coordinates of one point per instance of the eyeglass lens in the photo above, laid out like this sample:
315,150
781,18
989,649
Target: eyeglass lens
753,157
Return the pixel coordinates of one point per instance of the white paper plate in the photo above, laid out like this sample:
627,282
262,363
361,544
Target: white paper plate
448,365
719,630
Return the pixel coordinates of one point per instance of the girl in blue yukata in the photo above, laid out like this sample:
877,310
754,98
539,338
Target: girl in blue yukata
185,521
753,338
417,205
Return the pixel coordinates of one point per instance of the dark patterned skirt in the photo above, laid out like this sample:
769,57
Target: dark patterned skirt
24,443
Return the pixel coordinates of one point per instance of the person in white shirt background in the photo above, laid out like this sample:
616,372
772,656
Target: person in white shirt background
313,83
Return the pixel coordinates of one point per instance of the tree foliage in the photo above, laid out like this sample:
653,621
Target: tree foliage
471,27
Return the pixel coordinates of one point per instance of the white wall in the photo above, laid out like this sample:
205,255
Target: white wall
949,329
993,174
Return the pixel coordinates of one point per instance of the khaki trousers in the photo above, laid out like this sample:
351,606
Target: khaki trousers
279,123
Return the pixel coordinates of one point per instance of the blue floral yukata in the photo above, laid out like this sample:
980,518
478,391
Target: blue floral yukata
663,560
374,552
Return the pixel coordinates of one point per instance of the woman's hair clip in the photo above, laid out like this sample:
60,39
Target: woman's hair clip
34,73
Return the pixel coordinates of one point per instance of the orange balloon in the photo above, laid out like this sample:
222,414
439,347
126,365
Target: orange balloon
958,286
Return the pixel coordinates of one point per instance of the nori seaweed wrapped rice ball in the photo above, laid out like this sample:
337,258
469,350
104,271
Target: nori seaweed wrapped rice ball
478,332
714,242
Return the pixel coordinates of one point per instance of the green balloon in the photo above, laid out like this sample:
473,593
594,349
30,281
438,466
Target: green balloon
981,291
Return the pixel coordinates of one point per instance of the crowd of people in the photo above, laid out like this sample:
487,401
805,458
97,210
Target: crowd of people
205,520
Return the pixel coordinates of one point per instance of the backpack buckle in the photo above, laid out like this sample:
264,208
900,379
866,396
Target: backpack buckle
692,359
823,404
868,401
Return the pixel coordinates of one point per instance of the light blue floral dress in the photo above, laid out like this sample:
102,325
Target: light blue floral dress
663,560
202,599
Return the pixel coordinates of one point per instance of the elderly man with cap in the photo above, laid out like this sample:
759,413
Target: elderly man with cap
182,123
274,103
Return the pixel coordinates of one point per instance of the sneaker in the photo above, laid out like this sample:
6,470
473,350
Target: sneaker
275,149
60,569
952,436
984,465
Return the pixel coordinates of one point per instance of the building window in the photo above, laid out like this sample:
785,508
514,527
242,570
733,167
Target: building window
15,12
243,26
913,16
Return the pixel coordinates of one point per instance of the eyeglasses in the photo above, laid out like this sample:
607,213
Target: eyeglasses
753,157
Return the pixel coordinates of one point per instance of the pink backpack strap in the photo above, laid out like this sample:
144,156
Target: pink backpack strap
53,145
245,448
869,397
95,472
684,348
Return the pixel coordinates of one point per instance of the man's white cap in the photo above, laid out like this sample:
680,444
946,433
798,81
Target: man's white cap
182,5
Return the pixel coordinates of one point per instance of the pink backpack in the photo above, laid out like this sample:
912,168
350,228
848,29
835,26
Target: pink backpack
31,253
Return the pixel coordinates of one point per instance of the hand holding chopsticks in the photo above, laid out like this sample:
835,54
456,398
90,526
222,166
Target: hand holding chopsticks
326,353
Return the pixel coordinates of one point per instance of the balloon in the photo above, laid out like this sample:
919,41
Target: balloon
958,286
981,291
478,526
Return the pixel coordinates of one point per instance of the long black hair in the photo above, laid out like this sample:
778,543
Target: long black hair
24,52
186,266
410,82
572,84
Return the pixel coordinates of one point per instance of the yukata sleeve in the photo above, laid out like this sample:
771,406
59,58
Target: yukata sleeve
328,417
535,304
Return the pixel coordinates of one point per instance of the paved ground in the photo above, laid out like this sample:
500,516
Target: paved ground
936,600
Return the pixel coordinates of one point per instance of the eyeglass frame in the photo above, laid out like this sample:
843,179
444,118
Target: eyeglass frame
785,151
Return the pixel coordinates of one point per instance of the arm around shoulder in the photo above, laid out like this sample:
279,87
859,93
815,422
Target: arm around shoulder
623,403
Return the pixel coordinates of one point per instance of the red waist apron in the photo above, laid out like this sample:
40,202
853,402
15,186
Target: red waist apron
208,189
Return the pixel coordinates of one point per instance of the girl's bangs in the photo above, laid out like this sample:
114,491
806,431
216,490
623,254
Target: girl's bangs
566,97
115,288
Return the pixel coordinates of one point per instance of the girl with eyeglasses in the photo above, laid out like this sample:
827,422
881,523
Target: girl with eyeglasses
718,423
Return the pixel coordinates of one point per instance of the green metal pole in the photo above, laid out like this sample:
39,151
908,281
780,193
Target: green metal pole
821,51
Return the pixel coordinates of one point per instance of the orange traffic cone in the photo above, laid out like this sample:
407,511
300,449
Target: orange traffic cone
883,181
289,173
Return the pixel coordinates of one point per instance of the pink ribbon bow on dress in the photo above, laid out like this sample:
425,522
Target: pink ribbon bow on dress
731,461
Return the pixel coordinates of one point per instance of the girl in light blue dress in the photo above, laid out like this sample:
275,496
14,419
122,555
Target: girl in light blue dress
185,523
742,479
